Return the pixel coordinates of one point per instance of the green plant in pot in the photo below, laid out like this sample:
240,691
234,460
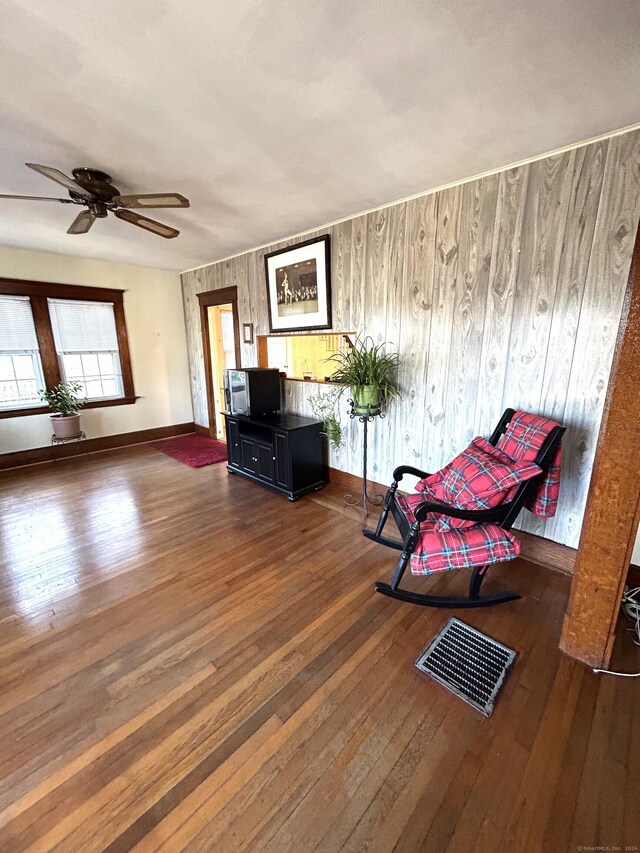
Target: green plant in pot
324,407
65,400
370,372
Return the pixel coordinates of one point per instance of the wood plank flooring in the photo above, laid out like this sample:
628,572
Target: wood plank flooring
189,662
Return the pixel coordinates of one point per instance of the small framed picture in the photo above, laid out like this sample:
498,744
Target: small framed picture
247,333
299,286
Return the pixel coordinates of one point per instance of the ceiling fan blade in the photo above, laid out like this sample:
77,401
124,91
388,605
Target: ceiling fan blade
60,178
148,224
38,198
152,200
82,223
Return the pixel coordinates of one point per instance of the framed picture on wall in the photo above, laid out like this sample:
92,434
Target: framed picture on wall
299,286
247,333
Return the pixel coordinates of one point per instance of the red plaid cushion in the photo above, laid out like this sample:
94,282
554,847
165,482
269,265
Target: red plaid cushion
544,500
525,436
458,549
408,503
522,441
487,447
501,457
475,479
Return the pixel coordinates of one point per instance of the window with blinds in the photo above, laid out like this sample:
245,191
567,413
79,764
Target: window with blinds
86,342
52,333
21,374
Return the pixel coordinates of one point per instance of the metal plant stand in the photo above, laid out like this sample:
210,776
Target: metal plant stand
69,439
364,418
72,439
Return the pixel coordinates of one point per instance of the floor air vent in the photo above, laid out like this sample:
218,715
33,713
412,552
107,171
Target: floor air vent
468,663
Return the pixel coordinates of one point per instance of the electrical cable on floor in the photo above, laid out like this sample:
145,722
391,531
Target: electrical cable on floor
631,609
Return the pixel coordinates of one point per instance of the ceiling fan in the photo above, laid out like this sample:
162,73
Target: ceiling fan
93,189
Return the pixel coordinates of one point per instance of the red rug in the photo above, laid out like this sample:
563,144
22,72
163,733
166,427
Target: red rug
194,450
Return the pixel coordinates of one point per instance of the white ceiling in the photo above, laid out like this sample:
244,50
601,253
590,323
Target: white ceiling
276,116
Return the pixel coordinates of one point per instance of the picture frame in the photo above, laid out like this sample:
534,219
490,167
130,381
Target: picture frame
247,333
299,286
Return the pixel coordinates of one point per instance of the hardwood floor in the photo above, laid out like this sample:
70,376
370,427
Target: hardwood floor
191,662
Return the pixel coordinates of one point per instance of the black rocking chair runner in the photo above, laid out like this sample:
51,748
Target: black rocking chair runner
502,516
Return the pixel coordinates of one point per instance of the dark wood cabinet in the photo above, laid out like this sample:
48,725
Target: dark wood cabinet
249,460
233,443
265,462
283,452
283,463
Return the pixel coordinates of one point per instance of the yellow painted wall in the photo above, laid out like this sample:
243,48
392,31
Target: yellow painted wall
157,340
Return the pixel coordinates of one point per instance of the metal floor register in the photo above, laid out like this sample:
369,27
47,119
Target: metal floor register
468,663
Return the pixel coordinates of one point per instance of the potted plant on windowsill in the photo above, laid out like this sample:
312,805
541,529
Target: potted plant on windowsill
370,373
65,401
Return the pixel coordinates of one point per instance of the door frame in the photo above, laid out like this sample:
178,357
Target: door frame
223,296
602,562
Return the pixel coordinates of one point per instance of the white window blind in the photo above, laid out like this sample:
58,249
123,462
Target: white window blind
83,326
20,366
17,329
87,346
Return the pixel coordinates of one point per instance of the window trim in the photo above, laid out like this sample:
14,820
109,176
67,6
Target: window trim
39,292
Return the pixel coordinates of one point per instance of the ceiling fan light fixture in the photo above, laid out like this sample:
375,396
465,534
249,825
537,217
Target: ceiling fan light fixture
98,209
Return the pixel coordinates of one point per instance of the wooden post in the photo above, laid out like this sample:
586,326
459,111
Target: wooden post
613,507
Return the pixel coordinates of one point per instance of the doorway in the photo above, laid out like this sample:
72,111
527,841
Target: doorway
223,357
221,349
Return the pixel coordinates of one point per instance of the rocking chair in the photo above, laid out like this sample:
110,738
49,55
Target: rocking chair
464,513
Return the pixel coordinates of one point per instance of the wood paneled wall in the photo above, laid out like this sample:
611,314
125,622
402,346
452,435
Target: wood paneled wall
504,291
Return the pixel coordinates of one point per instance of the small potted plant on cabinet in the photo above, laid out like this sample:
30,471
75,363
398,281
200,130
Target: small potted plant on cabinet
65,401
370,373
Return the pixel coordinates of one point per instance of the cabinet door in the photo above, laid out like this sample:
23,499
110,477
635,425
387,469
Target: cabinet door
283,460
265,462
233,443
249,455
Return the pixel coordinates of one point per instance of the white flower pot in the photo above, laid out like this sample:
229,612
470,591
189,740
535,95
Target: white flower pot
68,427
